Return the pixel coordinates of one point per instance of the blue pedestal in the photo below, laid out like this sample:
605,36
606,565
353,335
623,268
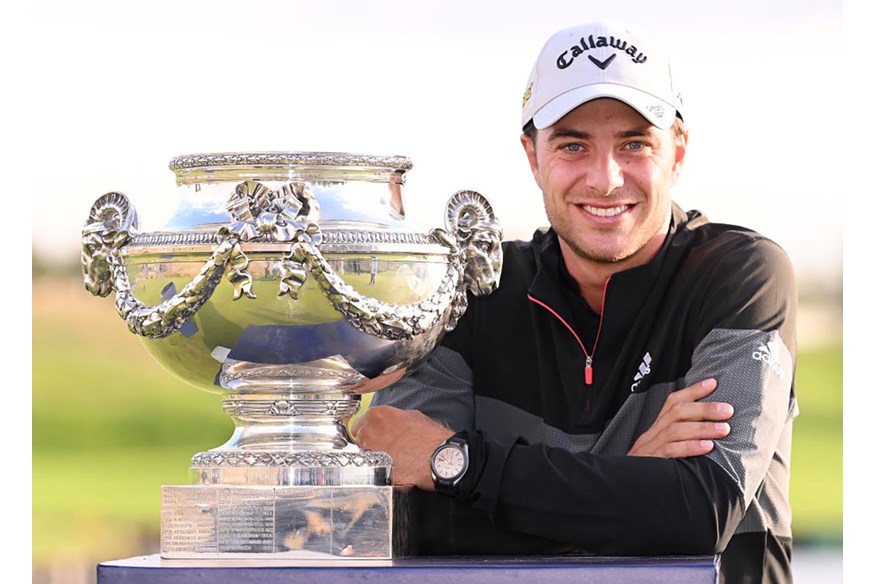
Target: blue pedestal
433,570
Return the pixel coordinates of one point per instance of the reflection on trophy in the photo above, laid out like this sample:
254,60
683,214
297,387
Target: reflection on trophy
256,291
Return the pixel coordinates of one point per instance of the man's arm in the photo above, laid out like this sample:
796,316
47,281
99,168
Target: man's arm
685,426
587,500
647,505
679,432
442,389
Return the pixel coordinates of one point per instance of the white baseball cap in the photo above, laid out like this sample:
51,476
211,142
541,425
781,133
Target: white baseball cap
600,59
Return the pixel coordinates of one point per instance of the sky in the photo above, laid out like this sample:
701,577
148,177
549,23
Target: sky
120,88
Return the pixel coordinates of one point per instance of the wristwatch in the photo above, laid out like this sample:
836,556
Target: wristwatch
449,463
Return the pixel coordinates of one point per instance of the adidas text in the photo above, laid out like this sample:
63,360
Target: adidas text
769,354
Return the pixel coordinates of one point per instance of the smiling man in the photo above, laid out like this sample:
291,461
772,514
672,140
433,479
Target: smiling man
628,389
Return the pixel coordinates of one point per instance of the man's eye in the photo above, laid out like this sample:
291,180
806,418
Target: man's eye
636,146
573,148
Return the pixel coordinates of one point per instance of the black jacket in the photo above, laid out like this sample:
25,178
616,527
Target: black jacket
548,471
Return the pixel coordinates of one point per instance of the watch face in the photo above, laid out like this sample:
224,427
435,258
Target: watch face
449,462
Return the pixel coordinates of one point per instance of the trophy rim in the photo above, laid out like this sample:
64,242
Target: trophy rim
260,159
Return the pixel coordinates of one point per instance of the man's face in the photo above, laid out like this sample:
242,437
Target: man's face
606,173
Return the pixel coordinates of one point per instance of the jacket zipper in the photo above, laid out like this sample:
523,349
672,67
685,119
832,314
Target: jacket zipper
588,358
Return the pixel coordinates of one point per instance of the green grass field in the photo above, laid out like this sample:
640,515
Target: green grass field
817,456
110,426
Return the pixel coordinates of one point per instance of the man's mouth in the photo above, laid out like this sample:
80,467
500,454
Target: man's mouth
605,211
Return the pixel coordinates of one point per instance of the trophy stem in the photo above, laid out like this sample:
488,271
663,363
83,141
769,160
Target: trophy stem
293,439
291,421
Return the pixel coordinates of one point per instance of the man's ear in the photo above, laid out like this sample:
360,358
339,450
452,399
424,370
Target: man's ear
680,153
529,147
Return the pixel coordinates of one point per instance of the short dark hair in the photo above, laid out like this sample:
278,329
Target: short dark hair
530,131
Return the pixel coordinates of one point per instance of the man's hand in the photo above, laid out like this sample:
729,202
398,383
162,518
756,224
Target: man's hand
408,436
685,427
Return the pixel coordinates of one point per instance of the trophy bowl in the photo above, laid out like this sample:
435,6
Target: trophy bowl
289,283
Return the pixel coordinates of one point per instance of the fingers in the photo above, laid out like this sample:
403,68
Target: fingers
689,421
685,425
408,436
684,404
695,391
707,411
685,449
368,423
357,425
680,439
684,431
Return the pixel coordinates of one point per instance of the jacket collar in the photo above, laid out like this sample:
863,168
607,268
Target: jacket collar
627,289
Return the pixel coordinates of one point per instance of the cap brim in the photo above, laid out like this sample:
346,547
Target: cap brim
658,112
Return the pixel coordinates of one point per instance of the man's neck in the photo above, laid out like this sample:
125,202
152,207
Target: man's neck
591,275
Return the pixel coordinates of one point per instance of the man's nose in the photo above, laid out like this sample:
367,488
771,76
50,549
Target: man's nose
605,174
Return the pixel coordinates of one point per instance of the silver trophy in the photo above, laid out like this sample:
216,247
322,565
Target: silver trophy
289,284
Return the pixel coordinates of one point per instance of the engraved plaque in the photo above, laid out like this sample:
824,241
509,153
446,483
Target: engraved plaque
188,519
292,522
362,519
245,520
304,520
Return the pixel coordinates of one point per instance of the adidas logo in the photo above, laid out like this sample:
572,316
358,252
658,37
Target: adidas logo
644,369
769,354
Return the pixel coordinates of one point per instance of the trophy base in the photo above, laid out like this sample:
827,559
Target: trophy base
283,522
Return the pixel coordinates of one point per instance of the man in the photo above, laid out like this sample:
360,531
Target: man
584,404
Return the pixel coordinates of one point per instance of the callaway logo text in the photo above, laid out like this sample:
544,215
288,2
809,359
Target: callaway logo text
566,57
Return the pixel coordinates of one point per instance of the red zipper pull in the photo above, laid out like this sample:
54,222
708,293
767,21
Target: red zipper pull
588,371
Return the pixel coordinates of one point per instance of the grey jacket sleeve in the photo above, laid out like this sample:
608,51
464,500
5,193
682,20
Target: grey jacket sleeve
441,388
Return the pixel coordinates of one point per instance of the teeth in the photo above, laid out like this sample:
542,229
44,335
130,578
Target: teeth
603,212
